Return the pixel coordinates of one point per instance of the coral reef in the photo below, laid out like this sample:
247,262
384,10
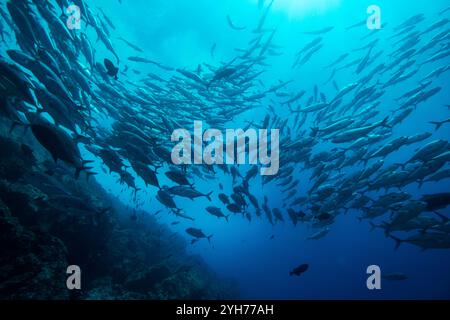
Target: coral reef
50,220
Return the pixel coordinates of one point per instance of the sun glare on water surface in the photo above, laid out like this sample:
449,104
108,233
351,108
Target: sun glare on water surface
299,8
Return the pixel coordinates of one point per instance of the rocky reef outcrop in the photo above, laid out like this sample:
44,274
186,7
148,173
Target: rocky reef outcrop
50,220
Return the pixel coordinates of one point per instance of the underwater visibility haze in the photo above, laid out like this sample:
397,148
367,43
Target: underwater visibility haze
351,98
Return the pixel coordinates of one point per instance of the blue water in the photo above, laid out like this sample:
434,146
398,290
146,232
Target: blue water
180,34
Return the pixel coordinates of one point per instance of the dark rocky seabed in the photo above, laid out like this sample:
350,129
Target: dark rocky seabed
42,233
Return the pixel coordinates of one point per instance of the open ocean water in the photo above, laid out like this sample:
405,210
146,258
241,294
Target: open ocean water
311,68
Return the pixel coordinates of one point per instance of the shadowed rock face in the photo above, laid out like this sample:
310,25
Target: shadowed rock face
49,221
144,281
31,262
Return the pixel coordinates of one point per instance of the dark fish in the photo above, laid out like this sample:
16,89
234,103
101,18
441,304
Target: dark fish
436,201
230,23
221,75
299,270
217,212
166,199
112,70
178,177
324,217
224,198
234,208
213,50
359,24
60,145
338,60
321,31
197,234
394,276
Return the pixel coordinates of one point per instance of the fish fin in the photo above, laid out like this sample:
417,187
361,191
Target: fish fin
401,165
78,137
384,225
420,182
398,241
226,218
444,218
104,210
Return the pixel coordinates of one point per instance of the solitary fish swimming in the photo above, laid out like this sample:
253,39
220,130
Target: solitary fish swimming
299,270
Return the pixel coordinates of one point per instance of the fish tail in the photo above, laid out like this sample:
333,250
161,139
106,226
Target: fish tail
17,123
86,161
385,124
209,196
89,174
314,131
365,160
373,226
437,124
384,225
226,218
209,238
77,172
82,168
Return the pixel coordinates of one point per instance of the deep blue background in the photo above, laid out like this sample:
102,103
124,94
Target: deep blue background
180,33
